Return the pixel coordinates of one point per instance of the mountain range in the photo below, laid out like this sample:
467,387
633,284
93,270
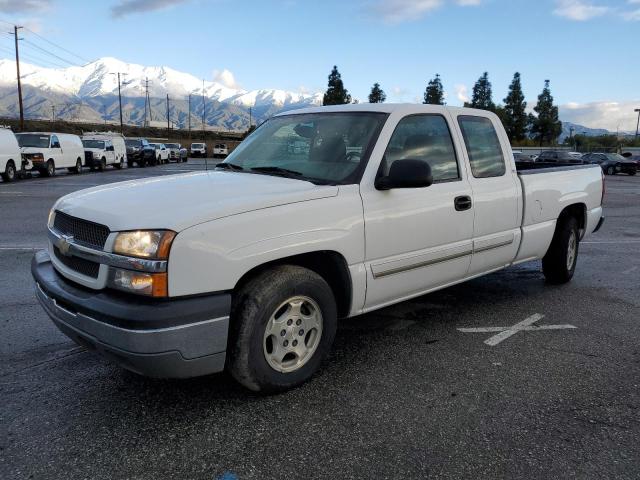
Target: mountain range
90,93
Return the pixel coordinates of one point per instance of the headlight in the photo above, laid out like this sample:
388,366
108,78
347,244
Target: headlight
144,243
52,214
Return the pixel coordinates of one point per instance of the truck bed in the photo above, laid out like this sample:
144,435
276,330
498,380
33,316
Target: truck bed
529,168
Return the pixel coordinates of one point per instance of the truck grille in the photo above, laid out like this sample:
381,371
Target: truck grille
80,265
83,231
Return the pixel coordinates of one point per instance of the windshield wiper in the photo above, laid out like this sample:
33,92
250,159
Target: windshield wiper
229,166
277,170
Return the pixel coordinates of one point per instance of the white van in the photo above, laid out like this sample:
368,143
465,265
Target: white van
48,151
10,155
104,148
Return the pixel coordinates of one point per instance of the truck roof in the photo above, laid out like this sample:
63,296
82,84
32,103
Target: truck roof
383,108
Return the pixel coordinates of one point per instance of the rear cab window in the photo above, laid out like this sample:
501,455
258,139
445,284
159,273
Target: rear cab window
483,146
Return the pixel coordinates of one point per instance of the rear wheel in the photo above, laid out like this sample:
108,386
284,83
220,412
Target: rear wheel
283,323
632,173
9,174
103,164
78,167
119,165
610,170
559,263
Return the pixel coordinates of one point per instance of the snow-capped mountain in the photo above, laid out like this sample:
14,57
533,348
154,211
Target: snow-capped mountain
90,93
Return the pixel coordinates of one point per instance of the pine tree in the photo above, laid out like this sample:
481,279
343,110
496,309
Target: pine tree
336,94
434,94
546,127
377,95
482,95
515,115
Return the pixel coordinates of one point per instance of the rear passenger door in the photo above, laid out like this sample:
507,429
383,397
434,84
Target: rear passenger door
496,193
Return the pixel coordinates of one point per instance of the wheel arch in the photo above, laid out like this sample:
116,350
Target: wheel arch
329,264
577,211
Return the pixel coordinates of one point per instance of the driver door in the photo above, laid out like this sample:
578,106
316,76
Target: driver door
418,238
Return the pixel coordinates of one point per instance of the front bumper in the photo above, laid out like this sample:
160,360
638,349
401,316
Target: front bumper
177,338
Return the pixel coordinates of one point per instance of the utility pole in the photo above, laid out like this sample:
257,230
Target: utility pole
637,124
250,119
119,100
204,108
15,34
168,121
53,114
147,101
189,116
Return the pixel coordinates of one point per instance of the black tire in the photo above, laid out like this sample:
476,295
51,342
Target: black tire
632,173
252,308
610,171
119,165
9,174
78,167
102,165
50,169
555,264
129,164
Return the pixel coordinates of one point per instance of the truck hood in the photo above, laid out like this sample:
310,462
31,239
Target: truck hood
33,149
177,202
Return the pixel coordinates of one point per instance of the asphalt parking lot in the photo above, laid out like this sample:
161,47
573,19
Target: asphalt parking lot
436,387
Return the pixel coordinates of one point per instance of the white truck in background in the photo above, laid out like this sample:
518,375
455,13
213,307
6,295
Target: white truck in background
11,161
249,266
47,151
103,149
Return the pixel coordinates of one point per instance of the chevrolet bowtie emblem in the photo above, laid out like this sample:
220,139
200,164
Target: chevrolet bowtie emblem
64,244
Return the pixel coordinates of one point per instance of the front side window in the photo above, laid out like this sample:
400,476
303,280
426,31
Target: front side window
483,147
324,148
426,138
55,143
99,144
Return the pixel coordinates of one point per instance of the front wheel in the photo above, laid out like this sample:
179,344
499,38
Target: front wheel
559,263
9,174
610,171
50,169
283,323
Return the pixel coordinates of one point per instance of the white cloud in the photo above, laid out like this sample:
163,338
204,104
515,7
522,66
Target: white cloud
462,92
399,11
605,114
24,6
579,10
226,78
127,7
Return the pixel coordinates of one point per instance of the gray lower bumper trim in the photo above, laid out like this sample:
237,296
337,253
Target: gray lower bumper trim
181,351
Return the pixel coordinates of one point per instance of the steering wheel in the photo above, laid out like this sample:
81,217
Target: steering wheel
351,155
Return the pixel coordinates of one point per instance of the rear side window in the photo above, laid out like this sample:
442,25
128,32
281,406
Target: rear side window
483,147
426,138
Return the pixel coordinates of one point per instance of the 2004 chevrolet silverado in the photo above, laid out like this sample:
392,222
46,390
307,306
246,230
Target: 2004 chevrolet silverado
320,214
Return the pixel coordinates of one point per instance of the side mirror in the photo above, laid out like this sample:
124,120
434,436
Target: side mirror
406,173
55,145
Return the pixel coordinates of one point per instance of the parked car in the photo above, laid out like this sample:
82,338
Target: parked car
220,150
553,156
140,152
104,148
174,151
162,153
611,163
198,150
47,151
633,158
522,157
11,163
296,241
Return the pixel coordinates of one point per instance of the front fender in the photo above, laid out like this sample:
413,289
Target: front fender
213,256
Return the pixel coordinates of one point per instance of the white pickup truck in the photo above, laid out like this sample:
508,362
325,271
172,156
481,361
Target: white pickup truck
249,266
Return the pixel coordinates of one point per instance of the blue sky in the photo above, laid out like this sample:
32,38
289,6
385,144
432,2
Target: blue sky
587,48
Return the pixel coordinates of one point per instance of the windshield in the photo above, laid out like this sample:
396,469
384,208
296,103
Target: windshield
319,147
33,140
172,145
133,143
615,157
93,144
197,145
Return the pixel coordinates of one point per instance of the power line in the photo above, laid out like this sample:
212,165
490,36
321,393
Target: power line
44,50
57,46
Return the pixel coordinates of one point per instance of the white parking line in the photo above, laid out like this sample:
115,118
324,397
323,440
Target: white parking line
610,241
525,325
16,247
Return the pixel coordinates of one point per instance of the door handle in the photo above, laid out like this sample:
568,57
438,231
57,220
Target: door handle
462,203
